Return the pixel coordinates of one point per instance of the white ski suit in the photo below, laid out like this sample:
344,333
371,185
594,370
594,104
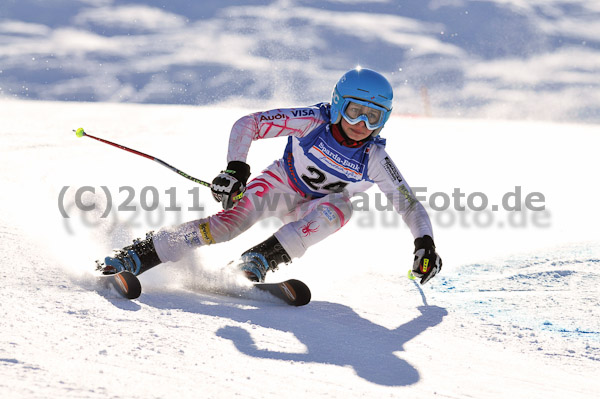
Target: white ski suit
309,189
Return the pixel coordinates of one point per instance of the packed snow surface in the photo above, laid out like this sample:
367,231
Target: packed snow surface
514,313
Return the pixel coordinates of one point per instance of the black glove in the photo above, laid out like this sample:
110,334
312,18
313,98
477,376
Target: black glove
427,262
229,186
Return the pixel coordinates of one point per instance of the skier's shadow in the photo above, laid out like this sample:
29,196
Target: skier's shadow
336,334
332,333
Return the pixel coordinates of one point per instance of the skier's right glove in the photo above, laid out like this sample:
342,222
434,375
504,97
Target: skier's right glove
427,262
229,186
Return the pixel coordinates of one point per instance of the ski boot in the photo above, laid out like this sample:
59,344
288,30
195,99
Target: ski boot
267,255
135,258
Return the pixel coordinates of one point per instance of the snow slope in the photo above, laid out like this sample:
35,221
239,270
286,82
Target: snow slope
510,59
514,313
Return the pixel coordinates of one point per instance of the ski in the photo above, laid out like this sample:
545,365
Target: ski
126,284
293,292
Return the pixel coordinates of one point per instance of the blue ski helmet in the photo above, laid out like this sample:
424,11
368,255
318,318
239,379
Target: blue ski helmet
369,88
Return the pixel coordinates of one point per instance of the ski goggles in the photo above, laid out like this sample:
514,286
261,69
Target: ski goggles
372,115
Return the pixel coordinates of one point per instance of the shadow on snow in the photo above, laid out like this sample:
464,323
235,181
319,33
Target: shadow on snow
332,333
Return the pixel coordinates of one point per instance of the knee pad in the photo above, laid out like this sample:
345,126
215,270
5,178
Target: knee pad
327,217
337,209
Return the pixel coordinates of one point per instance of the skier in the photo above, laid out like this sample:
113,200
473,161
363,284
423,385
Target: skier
333,152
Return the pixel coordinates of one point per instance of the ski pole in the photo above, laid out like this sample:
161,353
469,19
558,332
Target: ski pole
412,278
80,133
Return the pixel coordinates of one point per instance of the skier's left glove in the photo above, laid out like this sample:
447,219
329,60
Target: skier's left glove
427,262
229,186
